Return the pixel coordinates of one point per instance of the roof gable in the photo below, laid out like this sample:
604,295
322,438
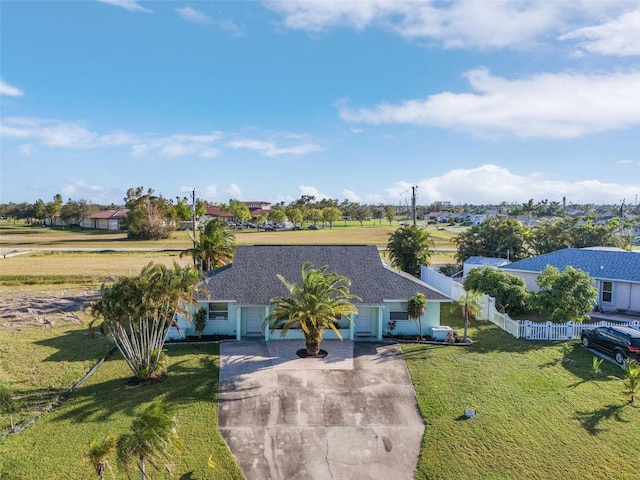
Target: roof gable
600,264
252,277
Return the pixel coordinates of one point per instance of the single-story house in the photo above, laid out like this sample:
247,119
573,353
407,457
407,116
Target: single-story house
475,262
238,296
114,219
616,273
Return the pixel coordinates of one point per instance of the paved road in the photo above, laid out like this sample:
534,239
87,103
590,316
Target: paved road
350,416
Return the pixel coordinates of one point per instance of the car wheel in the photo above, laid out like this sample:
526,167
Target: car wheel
619,356
585,342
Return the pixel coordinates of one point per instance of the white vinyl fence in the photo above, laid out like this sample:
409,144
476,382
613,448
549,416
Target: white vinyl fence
517,328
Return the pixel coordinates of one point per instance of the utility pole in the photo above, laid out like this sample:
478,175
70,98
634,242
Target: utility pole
413,205
193,224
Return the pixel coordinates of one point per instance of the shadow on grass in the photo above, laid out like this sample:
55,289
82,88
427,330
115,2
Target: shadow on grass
579,362
75,345
591,420
192,377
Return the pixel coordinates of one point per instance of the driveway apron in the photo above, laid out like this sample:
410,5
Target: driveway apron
349,416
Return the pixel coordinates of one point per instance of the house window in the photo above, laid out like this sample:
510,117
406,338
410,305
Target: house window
218,312
398,312
607,292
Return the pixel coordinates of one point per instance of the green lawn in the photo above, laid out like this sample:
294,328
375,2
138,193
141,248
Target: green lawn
540,412
54,446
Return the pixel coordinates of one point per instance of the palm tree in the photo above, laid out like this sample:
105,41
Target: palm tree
313,306
138,312
416,308
631,380
153,439
470,306
214,248
98,452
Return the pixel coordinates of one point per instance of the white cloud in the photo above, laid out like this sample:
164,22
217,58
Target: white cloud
233,191
619,36
192,15
624,162
210,192
131,5
452,24
492,184
8,90
313,191
562,105
350,195
79,189
271,149
63,134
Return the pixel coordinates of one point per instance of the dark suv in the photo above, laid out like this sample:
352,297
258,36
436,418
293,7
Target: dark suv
619,342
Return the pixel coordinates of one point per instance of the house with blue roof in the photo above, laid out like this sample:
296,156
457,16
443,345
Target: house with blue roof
616,273
238,297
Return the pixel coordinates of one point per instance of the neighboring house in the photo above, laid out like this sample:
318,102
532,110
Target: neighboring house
107,219
214,211
238,296
475,262
616,273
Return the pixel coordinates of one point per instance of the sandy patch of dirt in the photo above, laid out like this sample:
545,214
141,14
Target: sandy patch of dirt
37,308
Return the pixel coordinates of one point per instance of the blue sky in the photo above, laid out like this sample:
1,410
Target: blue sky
472,102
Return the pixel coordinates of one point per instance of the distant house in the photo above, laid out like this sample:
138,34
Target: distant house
616,273
475,262
115,219
238,296
215,211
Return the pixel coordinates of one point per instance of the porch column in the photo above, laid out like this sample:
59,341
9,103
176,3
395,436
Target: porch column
352,326
238,323
267,332
380,311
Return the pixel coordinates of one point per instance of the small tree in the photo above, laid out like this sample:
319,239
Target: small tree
409,248
415,310
566,297
153,439
510,292
200,320
98,452
469,306
631,380
137,313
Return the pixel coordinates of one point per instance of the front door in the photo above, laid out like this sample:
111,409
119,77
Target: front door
363,320
254,319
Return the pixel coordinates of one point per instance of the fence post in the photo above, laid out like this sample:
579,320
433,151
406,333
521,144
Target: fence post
527,329
548,332
569,333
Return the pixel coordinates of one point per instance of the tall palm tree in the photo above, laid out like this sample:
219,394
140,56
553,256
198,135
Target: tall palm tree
469,305
314,305
153,440
214,248
98,452
416,308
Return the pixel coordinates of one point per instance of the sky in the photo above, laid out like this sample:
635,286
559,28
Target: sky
471,101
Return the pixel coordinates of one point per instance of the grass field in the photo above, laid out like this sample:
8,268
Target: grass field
541,414
107,261
54,447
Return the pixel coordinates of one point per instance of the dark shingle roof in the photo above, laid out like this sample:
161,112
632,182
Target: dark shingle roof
251,278
600,264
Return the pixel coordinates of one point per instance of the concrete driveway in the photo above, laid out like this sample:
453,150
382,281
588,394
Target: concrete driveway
350,416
